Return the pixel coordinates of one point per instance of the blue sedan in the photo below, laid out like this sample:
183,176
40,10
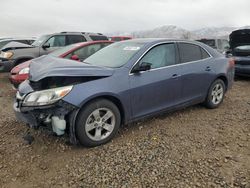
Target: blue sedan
120,84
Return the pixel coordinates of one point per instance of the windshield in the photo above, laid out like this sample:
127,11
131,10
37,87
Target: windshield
115,55
3,43
63,50
39,41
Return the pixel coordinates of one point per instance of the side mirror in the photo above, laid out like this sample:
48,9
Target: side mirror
46,45
75,58
144,66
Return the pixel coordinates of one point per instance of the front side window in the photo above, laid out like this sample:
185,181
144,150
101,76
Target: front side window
57,41
191,52
160,56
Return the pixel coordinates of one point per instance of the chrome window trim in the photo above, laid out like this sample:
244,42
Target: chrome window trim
170,42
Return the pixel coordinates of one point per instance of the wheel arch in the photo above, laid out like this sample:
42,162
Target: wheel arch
111,98
224,79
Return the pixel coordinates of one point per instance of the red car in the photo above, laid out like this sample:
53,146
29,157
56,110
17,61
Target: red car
77,52
119,38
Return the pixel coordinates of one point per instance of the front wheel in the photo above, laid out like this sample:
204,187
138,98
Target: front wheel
215,94
97,123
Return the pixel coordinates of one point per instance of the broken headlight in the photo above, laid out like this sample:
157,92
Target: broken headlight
46,97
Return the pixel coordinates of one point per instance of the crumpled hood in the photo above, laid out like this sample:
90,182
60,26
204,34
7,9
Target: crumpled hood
239,38
49,66
15,45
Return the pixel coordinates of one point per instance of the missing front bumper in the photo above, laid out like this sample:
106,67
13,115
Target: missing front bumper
57,117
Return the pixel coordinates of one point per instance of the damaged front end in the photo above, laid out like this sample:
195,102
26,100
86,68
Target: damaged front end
40,99
45,108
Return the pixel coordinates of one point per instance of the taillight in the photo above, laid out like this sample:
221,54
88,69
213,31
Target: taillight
231,62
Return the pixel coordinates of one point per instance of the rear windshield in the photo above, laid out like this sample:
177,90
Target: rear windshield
115,55
116,39
209,42
98,37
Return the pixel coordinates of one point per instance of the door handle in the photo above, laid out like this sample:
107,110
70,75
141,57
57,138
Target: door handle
174,76
208,69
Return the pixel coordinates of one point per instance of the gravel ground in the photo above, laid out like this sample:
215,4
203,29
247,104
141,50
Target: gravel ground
194,147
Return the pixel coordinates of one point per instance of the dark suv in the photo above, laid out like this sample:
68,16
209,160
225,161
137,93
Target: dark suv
240,49
18,53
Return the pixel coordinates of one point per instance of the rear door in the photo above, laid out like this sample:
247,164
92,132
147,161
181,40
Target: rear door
158,88
197,73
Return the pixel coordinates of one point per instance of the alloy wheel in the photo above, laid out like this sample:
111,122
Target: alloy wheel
100,124
217,93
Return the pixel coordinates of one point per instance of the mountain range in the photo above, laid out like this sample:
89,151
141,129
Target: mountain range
171,31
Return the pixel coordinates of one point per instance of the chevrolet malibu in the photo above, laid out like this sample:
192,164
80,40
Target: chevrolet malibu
120,84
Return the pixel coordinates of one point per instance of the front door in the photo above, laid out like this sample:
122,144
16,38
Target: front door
158,88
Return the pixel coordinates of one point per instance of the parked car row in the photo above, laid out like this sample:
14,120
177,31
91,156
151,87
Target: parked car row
18,53
238,47
89,85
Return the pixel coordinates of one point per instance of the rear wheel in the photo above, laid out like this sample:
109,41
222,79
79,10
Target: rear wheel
215,94
98,123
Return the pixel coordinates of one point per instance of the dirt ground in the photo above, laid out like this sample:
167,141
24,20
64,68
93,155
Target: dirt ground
194,147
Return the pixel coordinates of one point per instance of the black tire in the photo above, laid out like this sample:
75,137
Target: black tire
86,113
209,102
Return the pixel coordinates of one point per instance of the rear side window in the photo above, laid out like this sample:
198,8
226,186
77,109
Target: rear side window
116,39
98,37
160,56
191,52
204,54
86,51
72,39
